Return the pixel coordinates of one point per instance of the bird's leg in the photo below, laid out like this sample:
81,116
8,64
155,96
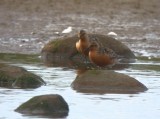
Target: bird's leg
84,59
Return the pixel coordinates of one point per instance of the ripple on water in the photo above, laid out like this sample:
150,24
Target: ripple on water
85,106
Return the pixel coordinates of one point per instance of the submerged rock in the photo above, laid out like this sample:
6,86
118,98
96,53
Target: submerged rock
63,52
106,81
17,77
45,105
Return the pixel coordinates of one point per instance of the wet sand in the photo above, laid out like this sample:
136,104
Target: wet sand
25,26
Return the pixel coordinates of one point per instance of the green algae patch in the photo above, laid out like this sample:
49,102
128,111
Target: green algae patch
62,47
53,46
28,80
94,72
20,58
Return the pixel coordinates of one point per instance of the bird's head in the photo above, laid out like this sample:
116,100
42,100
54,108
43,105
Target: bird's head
82,34
94,45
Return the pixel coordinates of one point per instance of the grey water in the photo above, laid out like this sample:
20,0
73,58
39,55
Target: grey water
145,105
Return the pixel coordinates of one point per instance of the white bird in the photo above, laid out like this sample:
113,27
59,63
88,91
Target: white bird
57,32
112,34
67,30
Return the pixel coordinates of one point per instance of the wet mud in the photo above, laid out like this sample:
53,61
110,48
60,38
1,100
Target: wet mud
25,26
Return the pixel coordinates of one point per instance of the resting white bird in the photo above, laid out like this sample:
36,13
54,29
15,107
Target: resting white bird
57,33
112,34
67,30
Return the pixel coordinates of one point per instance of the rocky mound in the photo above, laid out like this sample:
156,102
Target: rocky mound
106,81
17,77
45,105
63,51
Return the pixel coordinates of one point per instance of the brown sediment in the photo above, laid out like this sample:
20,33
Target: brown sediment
38,21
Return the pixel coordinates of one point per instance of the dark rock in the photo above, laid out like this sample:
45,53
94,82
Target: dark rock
63,52
45,105
17,77
106,81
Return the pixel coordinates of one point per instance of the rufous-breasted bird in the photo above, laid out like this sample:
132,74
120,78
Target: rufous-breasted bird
101,56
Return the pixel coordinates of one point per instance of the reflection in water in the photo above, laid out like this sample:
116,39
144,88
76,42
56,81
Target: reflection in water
51,60
80,71
145,105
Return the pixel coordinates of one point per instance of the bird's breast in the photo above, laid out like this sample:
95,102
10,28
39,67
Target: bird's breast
100,59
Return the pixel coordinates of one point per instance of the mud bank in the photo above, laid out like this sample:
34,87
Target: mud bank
25,26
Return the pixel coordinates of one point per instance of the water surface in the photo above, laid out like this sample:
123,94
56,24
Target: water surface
144,105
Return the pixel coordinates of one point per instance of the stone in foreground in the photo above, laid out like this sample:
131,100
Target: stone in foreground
106,81
45,105
17,77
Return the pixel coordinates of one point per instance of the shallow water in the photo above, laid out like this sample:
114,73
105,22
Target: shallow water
144,105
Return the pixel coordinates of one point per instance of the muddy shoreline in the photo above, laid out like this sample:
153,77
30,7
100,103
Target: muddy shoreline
25,26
